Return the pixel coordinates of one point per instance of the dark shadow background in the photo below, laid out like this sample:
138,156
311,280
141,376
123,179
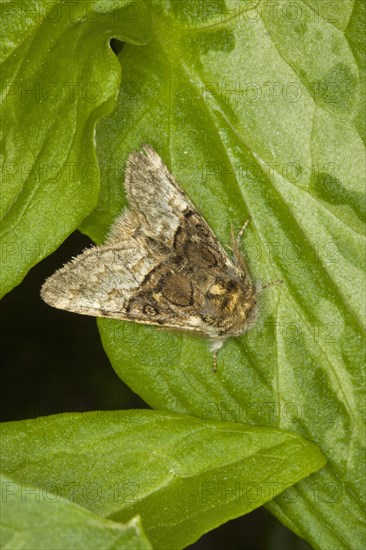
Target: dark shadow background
53,361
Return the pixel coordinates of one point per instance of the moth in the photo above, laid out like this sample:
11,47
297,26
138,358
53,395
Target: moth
160,265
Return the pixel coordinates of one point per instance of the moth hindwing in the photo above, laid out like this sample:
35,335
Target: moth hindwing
160,265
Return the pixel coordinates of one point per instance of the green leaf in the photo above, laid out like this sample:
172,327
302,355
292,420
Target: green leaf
183,475
59,76
257,112
34,517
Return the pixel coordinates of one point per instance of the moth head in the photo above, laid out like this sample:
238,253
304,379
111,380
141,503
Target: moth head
230,305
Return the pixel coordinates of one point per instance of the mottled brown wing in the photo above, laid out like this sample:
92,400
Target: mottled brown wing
129,280
101,280
155,265
162,205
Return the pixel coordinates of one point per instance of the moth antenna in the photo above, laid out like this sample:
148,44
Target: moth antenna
271,283
238,256
241,231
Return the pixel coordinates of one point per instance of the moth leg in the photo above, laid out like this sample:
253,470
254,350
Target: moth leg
214,360
214,348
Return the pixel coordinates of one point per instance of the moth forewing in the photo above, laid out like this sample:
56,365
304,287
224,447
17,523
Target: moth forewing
161,264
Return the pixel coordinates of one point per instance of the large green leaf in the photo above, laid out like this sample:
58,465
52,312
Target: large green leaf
258,112
58,76
34,517
183,475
